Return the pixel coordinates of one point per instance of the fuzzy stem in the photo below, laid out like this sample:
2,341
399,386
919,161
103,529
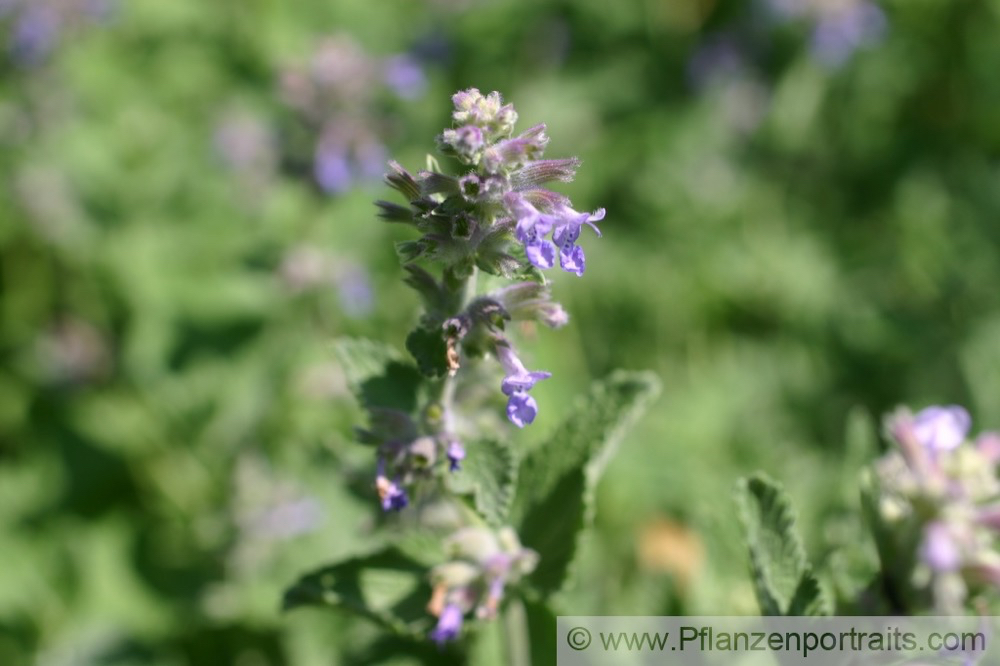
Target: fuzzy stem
516,635
447,395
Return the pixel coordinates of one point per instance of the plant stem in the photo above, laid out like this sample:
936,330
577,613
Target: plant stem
447,396
516,634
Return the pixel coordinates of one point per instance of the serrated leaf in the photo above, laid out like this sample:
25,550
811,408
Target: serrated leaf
488,473
430,351
777,557
809,599
361,359
556,482
388,587
396,388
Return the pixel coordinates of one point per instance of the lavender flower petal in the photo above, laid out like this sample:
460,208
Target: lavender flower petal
448,626
521,409
941,428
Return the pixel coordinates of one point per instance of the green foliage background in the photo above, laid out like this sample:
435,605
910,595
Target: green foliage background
793,248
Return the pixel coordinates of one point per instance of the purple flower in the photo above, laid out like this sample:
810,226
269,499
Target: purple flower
565,223
354,288
392,496
449,624
841,32
938,549
331,168
455,454
521,407
541,253
941,428
35,34
571,256
405,76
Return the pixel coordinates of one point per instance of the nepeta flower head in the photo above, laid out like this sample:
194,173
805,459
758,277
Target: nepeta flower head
483,563
937,494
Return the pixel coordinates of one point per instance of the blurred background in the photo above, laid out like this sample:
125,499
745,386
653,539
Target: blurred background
803,201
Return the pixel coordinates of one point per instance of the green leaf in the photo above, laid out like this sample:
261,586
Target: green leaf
429,350
376,374
388,586
782,576
543,632
396,388
810,598
557,480
408,251
361,359
488,473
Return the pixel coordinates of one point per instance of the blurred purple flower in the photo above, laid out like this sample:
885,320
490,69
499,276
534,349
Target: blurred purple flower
8,7
331,167
354,288
941,428
404,75
455,454
840,32
938,549
36,32
370,160
391,494
449,624
244,142
99,10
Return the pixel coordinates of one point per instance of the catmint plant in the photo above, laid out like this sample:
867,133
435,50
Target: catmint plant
938,490
492,525
932,505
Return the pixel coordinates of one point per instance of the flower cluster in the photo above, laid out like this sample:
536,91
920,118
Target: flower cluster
338,111
36,26
482,564
509,174
496,217
840,27
939,491
405,460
